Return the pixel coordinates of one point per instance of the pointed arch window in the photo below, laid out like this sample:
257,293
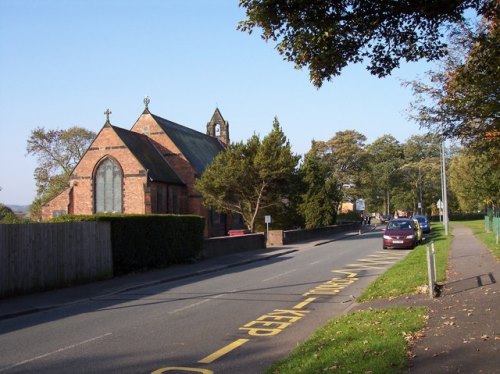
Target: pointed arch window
108,183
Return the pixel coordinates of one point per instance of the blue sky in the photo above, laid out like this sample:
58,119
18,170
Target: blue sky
63,63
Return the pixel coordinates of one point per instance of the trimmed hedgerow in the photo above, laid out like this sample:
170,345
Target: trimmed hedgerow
149,241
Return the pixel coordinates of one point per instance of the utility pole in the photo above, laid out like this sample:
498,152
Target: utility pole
444,189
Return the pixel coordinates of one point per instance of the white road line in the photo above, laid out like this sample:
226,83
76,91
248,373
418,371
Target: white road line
315,262
196,304
279,275
54,352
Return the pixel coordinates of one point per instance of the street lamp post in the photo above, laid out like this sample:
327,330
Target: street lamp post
444,189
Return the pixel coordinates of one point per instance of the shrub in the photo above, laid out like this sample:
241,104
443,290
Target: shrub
149,241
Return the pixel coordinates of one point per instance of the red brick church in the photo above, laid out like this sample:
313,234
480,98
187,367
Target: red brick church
151,168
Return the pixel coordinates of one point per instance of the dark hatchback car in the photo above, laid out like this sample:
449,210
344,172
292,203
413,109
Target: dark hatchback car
400,233
424,223
384,218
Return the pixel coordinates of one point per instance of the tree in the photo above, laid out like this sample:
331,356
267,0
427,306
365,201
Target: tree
326,36
419,174
475,179
337,163
385,157
249,177
57,152
320,200
462,98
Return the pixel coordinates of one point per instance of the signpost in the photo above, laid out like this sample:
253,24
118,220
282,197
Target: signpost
439,205
360,204
267,220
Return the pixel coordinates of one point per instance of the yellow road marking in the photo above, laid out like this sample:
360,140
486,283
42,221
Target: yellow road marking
304,303
376,261
221,352
362,267
179,368
350,274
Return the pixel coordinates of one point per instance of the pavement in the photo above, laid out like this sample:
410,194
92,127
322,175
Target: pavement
463,330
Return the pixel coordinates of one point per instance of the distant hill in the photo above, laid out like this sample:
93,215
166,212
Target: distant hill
18,208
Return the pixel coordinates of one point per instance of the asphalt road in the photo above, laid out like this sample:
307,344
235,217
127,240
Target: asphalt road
239,320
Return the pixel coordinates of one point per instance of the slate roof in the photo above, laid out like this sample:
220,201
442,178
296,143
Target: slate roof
148,156
198,148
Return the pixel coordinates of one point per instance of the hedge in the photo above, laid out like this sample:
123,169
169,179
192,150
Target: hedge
149,241
460,216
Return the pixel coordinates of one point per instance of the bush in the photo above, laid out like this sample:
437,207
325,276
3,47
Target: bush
350,216
149,241
459,216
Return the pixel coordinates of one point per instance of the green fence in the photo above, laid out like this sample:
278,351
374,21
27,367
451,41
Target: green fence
492,221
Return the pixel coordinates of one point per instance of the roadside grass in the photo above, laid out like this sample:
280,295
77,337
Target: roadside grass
373,340
488,238
408,275
370,341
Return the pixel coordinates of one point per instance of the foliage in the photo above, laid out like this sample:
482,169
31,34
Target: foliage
462,98
350,216
250,177
385,157
149,241
57,152
321,197
369,341
461,216
286,215
6,214
331,171
326,36
420,174
475,179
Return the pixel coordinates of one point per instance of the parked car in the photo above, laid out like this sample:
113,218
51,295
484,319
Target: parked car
418,231
384,218
424,223
400,233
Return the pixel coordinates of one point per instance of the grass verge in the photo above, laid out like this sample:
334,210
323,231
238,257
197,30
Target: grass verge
370,341
407,275
488,238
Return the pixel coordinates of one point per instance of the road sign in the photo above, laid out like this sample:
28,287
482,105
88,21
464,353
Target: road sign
360,204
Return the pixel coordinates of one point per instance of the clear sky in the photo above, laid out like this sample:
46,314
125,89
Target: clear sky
64,62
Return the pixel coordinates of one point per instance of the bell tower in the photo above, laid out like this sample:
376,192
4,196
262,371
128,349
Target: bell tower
218,127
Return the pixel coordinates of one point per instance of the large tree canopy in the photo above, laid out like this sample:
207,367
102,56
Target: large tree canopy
331,172
462,99
325,36
475,179
249,177
57,152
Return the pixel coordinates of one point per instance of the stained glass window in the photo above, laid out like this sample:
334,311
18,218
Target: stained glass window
108,187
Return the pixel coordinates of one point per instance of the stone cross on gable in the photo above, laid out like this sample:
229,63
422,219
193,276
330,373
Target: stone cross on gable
107,113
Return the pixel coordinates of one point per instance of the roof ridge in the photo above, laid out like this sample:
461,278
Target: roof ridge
178,126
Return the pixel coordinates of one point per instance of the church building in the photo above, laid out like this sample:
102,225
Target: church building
150,168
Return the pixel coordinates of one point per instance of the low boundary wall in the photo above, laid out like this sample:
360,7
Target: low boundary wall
280,237
225,245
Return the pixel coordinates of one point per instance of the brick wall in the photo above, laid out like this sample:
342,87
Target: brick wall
57,206
147,125
108,144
